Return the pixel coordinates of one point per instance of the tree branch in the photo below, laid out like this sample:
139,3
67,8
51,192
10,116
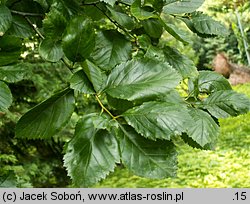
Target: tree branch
27,14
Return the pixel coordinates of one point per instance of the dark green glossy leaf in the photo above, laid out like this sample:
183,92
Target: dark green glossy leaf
159,120
137,79
178,7
95,75
153,27
119,104
181,63
80,82
15,73
122,18
222,104
211,81
10,49
79,39
140,12
5,19
47,118
204,130
147,158
5,97
54,24
51,50
20,28
92,153
111,48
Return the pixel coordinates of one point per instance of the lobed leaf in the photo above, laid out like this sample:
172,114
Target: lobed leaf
92,153
47,118
147,158
138,79
159,120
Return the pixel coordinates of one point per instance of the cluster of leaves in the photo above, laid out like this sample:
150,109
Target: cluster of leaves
118,56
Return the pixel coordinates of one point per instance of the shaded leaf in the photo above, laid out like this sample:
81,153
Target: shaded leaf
80,82
8,180
110,2
5,19
222,104
92,153
204,130
178,7
10,49
5,97
181,63
51,50
47,118
137,79
111,48
119,104
147,158
140,12
159,120
153,27
79,39
15,73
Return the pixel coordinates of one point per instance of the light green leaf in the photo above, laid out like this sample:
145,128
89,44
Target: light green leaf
204,130
138,79
92,153
51,50
80,82
95,75
5,97
47,118
205,24
147,158
79,39
10,49
182,6
20,28
222,104
211,81
5,19
140,12
15,73
181,63
111,48
159,120
122,18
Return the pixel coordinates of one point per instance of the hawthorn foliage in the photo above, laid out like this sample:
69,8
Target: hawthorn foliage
119,56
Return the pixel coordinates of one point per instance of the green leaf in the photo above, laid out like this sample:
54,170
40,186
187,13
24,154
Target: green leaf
8,180
204,130
15,73
79,39
137,79
211,81
80,82
180,6
54,24
10,49
5,97
95,75
51,50
92,153
158,120
153,27
119,104
181,63
110,2
141,13
20,28
111,48
47,118
5,19
205,24
147,158
122,19
222,104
